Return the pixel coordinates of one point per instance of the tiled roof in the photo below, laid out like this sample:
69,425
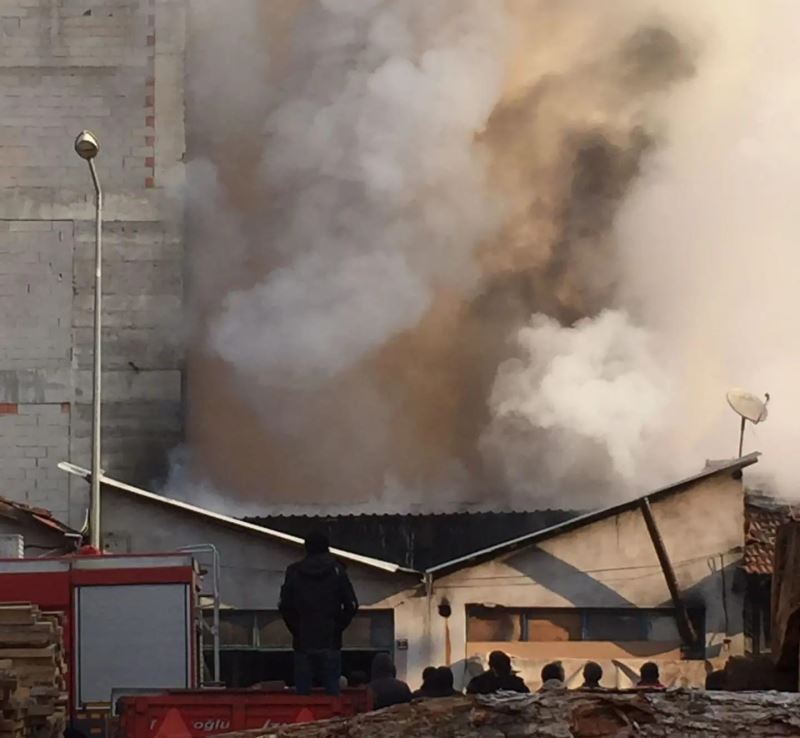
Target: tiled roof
763,516
18,510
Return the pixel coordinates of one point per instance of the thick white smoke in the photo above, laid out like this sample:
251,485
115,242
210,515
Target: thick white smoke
708,239
704,242
381,198
598,381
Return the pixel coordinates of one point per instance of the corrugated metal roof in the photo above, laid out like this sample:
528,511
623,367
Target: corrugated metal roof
377,508
227,520
578,522
418,541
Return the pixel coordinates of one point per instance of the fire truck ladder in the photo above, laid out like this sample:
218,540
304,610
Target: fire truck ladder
208,593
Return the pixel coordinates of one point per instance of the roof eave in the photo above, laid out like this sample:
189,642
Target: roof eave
581,520
386,566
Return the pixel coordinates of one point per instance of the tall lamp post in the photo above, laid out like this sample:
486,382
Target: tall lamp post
87,146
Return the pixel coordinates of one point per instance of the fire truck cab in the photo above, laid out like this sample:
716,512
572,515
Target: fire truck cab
130,621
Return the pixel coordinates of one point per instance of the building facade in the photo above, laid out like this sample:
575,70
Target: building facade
115,67
588,588
593,589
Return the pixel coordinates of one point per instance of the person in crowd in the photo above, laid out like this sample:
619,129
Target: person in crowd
592,674
716,680
649,676
344,683
386,688
500,677
427,674
439,684
552,676
317,603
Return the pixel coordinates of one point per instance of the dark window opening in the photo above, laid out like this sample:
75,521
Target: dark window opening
758,614
256,646
620,625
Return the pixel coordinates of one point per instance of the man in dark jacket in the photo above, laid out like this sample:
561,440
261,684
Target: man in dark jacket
386,688
439,684
317,604
499,678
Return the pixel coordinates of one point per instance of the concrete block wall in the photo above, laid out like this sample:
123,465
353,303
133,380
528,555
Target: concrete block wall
115,67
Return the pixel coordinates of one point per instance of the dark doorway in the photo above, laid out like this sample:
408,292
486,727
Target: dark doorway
256,646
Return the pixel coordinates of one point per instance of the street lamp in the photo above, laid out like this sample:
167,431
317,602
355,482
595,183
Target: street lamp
87,146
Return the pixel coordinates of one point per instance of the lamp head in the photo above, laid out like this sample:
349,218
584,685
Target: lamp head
87,145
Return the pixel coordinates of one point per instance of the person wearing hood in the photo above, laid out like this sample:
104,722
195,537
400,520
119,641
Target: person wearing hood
439,684
386,688
499,678
317,604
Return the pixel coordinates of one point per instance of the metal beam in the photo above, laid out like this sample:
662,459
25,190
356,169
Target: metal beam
685,627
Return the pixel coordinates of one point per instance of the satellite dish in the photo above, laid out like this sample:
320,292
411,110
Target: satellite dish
749,407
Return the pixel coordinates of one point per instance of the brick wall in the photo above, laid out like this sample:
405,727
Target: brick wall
67,65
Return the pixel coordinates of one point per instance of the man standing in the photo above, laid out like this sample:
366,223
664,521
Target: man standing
317,604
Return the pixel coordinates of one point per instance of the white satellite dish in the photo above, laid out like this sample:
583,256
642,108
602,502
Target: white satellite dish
749,407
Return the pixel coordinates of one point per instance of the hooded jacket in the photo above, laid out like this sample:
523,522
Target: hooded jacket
317,602
489,682
385,687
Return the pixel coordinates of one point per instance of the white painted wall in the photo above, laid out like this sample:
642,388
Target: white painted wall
253,565
609,563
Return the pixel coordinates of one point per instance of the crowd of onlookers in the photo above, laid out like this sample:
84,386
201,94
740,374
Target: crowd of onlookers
318,603
388,690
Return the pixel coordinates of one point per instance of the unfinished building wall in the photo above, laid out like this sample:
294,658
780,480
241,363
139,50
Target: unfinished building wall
115,67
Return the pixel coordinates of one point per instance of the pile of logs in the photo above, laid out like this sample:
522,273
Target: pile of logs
569,714
33,694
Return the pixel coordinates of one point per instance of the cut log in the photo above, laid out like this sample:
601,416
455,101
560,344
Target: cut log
575,714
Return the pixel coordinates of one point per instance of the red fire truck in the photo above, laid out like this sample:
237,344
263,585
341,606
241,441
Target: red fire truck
129,621
133,640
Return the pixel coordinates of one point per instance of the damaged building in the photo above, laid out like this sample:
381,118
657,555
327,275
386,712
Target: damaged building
659,577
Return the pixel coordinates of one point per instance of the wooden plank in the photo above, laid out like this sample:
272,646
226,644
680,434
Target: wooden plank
32,685
48,652
26,637
35,710
16,615
45,692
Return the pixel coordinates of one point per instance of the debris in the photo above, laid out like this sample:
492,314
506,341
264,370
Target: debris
569,714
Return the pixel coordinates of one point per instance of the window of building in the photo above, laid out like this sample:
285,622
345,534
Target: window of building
492,624
265,629
552,626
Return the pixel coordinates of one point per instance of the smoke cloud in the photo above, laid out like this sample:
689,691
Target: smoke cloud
380,198
451,251
597,385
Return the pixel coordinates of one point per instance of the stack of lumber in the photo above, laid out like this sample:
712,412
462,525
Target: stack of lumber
680,713
33,690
